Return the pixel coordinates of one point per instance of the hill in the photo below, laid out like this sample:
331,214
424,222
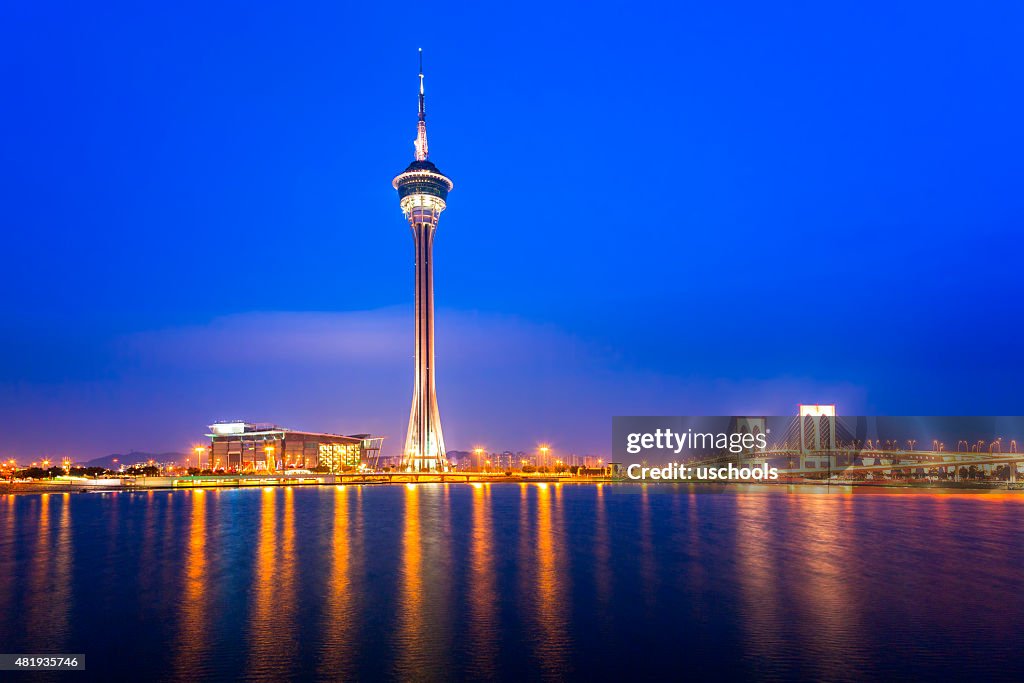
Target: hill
133,458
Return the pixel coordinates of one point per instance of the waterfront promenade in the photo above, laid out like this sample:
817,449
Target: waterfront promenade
236,481
71,484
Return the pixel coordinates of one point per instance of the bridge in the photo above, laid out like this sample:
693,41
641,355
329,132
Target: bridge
816,443
805,463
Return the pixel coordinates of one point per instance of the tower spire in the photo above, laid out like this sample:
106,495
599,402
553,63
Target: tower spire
422,113
421,126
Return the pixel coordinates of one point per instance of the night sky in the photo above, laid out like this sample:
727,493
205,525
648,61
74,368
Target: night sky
688,208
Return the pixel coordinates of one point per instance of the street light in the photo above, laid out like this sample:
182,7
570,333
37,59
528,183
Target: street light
544,455
478,452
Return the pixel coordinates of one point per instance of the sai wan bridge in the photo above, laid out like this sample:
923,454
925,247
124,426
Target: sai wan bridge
817,445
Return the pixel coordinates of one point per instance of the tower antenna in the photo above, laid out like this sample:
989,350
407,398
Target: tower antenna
422,110
421,127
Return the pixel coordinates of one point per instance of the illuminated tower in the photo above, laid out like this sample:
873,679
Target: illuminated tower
422,190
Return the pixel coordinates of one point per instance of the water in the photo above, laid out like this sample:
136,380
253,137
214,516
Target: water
463,582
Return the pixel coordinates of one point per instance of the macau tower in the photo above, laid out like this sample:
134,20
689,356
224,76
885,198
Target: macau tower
422,191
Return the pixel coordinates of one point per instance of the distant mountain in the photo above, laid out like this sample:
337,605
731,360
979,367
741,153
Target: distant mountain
133,458
459,456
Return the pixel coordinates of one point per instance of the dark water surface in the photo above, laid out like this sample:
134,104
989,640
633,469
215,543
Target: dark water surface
459,581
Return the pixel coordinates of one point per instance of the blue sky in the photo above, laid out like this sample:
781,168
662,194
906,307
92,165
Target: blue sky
676,208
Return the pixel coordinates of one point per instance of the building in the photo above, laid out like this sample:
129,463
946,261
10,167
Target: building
422,193
253,447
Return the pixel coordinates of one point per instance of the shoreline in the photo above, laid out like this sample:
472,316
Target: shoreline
258,481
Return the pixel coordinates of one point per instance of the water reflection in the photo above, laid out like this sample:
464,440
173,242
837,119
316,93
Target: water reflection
602,551
286,596
410,607
193,630
425,599
261,628
759,576
438,573
60,590
149,580
695,580
550,597
171,539
8,562
524,562
272,628
827,615
482,590
340,613
648,575
38,611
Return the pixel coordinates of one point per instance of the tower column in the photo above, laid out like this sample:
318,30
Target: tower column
424,446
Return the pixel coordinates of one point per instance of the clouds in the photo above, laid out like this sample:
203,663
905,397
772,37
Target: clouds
277,339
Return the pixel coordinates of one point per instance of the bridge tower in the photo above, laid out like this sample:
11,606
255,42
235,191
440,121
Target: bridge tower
817,430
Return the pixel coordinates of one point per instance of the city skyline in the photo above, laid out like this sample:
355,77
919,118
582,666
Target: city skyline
203,233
